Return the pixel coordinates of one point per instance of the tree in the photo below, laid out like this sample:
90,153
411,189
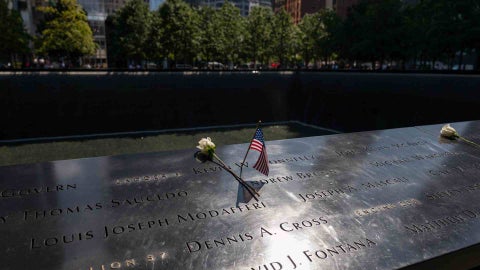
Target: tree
128,32
259,41
14,38
373,30
114,47
154,46
231,33
285,37
311,33
181,31
66,33
472,28
331,24
210,40
442,29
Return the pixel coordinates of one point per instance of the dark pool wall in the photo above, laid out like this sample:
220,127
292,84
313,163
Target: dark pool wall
71,103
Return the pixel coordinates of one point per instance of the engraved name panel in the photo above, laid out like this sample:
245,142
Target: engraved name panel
372,200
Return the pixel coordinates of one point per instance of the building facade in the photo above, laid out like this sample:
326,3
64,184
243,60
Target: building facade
342,6
97,13
245,6
30,16
298,8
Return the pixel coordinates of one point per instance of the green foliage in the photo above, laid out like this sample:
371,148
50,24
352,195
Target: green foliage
128,33
153,46
181,31
328,43
13,39
232,33
374,31
66,32
259,42
285,35
211,43
427,31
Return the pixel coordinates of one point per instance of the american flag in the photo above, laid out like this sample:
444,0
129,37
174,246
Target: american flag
258,143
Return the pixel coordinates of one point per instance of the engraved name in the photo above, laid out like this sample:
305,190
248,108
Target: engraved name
365,149
453,192
227,240
464,216
303,224
215,169
300,261
94,207
455,170
350,189
339,249
181,218
386,207
208,170
293,159
146,178
324,194
37,243
12,193
262,232
412,159
137,226
297,176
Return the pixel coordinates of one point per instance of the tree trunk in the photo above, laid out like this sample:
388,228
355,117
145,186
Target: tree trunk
12,60
460,61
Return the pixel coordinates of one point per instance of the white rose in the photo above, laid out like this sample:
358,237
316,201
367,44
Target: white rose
448,132
206,145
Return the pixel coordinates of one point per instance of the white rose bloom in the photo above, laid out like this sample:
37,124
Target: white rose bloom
448,132
206,145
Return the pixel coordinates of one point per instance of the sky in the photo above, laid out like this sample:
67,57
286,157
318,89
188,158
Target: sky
154,4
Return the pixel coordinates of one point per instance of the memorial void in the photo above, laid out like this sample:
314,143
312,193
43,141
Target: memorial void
384,199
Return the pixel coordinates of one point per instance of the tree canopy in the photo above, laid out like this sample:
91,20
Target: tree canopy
14,38
259,42
180,31
128,31
374,31
66,31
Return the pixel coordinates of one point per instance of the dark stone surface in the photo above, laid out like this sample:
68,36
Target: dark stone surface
373,200
50,104
367,101
58,104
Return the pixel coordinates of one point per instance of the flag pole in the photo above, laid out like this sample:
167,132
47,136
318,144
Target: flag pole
248,150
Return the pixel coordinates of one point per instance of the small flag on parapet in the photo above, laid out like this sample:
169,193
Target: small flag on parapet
258,144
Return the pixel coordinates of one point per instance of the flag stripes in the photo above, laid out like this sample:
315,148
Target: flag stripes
258,144
262,163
